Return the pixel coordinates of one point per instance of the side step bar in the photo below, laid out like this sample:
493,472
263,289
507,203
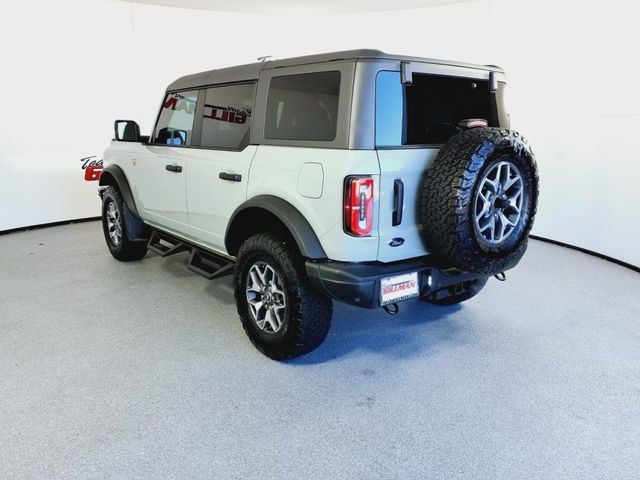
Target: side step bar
165,245
209,265
202,262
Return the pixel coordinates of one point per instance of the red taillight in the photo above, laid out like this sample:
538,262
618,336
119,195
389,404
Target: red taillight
358,206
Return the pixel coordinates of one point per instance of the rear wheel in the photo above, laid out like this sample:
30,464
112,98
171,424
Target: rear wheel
115,229
457,293
283,316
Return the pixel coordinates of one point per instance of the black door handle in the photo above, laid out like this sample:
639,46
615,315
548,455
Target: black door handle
173,168
398,202
232,177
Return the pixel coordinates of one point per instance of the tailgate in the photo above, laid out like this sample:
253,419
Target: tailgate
402,174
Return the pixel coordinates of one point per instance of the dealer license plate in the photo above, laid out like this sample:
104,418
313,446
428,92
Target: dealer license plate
399,288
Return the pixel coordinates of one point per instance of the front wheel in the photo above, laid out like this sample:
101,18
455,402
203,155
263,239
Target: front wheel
115,229
283,316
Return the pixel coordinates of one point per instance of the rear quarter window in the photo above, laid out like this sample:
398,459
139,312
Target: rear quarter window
303,107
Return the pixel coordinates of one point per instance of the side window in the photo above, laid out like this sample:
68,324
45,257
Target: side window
175,124
390,124
226,117
303,107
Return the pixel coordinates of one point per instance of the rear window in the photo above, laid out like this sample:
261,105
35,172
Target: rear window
303,107
428,111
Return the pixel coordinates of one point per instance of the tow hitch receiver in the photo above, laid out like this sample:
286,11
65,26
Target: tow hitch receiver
392,308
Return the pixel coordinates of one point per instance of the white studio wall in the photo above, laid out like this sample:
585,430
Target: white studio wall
78,65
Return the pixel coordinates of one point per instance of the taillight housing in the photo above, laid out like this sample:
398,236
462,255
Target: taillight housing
358,206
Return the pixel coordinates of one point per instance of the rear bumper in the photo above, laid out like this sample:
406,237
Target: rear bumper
359,283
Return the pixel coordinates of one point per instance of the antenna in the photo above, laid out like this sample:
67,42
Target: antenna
263,59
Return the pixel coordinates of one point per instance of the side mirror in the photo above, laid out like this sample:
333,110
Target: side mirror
127,131
171,136
179,137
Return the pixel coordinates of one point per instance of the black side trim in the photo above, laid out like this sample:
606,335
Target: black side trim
588,252
292,219
115,173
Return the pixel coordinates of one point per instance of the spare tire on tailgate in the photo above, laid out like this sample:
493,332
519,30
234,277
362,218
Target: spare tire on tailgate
479,200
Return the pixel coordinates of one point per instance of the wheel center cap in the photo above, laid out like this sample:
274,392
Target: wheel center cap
266,297
500,203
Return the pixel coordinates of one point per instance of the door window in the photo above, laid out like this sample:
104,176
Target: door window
226,117
175,124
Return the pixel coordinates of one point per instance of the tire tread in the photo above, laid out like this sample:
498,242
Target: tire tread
311,312
128,250
447,198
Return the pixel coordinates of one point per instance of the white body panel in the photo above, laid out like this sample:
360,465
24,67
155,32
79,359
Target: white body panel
283,172
211,200
159,194
276,171
410,166
197,205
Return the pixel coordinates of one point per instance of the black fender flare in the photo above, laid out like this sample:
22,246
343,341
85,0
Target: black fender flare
113,175
291,218
135,227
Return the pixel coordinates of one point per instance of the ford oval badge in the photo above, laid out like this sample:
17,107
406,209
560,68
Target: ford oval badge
396,242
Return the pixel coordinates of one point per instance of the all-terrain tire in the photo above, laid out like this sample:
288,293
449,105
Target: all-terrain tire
307,317
450,192
123,249
456,293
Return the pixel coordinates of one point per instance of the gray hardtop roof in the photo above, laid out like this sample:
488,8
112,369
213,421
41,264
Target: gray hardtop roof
243,73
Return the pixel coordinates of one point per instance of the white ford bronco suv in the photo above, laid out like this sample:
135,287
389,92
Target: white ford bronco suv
356,176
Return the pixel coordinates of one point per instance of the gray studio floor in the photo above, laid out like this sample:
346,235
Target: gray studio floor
141,370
